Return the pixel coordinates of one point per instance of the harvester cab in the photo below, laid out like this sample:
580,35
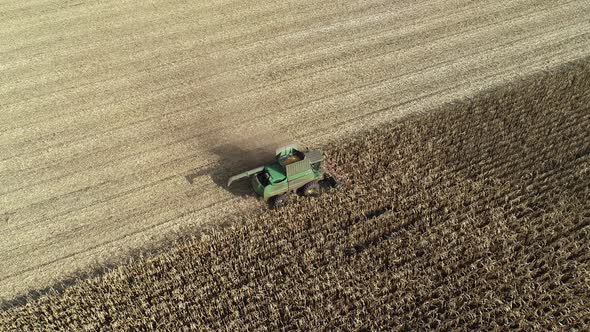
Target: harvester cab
293,170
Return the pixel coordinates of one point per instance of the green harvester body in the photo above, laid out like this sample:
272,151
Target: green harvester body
292,170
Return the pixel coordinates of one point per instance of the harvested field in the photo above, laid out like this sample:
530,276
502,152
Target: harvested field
473,216
119,120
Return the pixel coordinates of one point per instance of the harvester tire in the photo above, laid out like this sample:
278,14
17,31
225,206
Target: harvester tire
277,201
311,189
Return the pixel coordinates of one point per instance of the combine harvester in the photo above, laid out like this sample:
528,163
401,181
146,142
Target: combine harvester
293,171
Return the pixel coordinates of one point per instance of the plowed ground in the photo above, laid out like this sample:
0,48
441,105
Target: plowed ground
474,216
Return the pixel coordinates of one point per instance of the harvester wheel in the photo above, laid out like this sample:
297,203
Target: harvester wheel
277,201
311,189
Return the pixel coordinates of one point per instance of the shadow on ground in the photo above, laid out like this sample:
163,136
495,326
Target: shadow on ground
233,160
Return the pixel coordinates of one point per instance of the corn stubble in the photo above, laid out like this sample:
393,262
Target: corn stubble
474,216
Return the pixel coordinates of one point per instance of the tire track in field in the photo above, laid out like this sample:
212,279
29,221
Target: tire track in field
203,53
233,70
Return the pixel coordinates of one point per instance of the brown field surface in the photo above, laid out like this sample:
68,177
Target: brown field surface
119,120
475,217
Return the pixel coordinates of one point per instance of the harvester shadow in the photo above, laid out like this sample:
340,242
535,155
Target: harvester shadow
233,160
